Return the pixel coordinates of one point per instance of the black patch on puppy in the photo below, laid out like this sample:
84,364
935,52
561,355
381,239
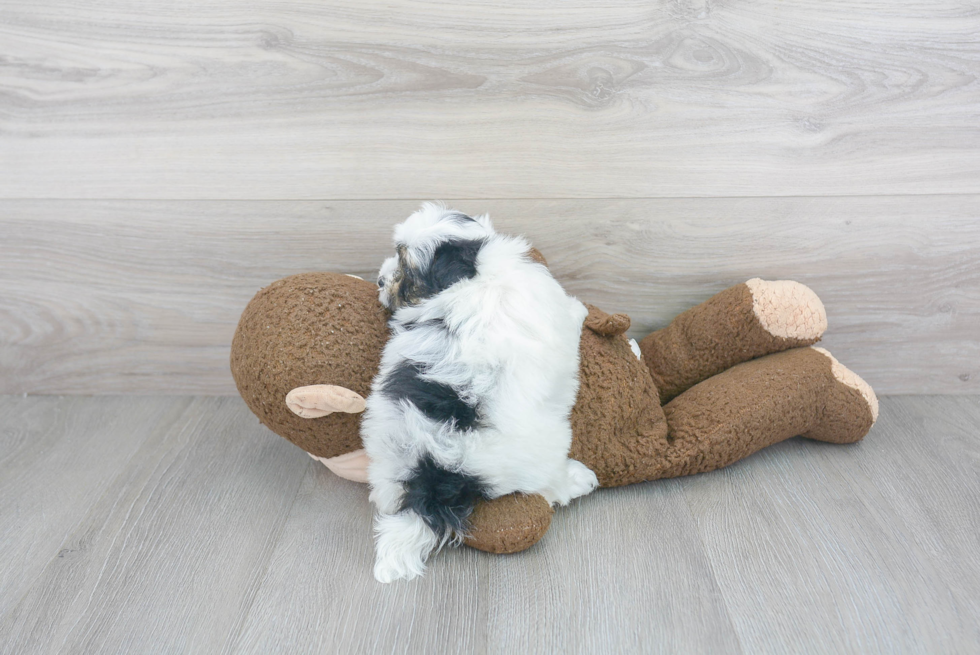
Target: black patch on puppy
444,499
452,261
439,402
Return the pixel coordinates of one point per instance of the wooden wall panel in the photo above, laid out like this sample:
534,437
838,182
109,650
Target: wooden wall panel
143,296
270,99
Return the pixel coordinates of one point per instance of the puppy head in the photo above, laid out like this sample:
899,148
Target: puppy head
436,247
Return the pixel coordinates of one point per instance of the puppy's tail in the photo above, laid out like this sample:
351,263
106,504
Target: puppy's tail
442,498
435,509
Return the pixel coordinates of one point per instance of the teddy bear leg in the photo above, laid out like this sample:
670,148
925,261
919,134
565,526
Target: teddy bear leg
741,323
850,409
802,391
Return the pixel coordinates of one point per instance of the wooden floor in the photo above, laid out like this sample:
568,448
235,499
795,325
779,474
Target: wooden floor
179,524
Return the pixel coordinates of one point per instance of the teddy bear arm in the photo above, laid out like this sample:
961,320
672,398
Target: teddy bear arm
509,524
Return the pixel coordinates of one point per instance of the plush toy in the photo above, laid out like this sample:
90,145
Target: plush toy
723,380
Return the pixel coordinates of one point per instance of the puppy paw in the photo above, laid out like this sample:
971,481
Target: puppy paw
578,480
581,479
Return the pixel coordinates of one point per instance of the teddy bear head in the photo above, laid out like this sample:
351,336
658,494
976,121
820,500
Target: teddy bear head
312,328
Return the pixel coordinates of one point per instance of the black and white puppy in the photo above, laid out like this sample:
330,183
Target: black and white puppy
475,388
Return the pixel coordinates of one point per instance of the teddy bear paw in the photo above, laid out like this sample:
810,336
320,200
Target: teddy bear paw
788,309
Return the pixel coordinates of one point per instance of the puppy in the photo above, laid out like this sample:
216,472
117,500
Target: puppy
475,388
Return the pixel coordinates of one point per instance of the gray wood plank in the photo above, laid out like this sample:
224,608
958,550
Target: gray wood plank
288,99
620,571
144,296
813,553
168,559
923,473
564,595
59,456
319,594
208,534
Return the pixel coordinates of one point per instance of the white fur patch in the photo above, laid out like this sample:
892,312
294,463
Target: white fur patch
635,347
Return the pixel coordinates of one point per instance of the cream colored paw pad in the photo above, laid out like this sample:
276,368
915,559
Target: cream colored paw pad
787,309
853,380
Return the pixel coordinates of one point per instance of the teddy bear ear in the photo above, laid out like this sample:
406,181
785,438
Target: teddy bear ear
319,400
606,325
536,256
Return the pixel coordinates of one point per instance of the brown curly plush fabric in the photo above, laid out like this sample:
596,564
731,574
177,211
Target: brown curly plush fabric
312,328
708,339
607,325
618,427
536,255
756,404
494,530
621,432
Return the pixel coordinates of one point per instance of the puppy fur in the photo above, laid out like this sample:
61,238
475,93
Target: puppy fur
475,388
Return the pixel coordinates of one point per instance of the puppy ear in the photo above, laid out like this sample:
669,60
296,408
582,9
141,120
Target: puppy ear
459,217
451,262
319,400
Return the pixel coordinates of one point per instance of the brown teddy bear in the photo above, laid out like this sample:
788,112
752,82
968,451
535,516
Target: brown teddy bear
723,380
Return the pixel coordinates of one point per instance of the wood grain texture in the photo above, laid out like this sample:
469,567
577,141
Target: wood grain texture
169,557
144,296
270,99
823,548
206,533
319,594
58,456
566,594
942,520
